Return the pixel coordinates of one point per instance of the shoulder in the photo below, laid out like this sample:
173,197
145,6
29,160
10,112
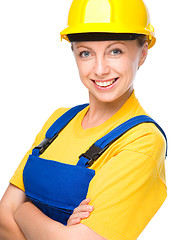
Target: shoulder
56,114
145,138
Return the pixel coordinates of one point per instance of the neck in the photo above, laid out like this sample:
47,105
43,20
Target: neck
99,112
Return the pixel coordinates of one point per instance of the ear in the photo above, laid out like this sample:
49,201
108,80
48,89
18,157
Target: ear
144,53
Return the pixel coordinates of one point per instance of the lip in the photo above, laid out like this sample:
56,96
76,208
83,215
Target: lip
106,80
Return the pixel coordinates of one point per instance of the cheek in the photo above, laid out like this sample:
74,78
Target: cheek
131,70
126,68
123,66
84,69
131,64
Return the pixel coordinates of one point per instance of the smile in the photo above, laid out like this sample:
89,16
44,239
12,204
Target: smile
105,83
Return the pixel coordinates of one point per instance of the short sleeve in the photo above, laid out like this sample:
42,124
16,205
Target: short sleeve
128,190
17,178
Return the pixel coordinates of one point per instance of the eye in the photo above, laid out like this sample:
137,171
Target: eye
115,52
84,54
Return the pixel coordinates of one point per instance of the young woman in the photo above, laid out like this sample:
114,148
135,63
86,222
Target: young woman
126,186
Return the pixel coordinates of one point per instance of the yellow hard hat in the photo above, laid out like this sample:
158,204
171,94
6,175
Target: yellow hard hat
109,16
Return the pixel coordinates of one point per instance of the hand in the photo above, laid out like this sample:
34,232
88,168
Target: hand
81,212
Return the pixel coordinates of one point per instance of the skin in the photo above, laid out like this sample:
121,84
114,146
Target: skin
96,61
103,61
81,212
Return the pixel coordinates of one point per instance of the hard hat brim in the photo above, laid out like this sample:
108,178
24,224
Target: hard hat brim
82,37
107,28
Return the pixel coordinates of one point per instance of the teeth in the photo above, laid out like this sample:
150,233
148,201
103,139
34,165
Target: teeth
105,84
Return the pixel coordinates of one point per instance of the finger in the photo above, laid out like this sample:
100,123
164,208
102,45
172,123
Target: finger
76,218
85,201
73,221
81,215
83,208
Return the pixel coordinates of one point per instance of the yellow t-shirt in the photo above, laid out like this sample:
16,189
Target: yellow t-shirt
129,185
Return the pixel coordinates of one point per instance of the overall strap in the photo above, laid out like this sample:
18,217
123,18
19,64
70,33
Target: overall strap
56,127
98,148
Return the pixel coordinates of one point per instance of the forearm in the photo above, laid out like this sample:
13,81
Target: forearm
35,225
8,227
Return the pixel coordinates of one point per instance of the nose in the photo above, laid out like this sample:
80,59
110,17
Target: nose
101,67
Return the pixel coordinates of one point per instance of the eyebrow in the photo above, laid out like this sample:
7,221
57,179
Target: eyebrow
83,47
118,42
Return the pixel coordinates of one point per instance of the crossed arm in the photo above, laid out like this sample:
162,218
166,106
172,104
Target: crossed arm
21,220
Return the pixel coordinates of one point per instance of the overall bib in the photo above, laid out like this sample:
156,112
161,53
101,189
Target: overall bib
57,188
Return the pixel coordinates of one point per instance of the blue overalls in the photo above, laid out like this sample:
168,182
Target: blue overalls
57,188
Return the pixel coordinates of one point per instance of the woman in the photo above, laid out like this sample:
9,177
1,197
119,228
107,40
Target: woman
110,41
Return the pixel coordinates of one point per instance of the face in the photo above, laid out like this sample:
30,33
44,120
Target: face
108,68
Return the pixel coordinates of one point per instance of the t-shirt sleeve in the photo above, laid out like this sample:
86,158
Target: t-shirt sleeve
128,190
17,178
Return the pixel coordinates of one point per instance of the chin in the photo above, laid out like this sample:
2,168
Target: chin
107,99
112,97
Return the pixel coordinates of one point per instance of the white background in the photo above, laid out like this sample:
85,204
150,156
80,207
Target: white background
38,74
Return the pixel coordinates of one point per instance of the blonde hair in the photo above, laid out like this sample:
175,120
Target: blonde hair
141,40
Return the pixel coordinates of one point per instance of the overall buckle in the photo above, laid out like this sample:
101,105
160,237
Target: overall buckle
45,143
93,153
